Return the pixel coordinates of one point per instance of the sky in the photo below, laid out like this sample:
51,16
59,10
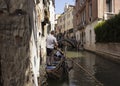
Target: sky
59,5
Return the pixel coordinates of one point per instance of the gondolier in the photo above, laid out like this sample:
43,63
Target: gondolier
51,42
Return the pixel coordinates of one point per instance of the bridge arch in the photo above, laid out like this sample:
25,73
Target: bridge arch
73,43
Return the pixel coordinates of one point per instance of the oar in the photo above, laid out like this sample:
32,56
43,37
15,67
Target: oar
87,72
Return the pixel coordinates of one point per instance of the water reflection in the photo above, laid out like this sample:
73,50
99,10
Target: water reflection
58,83
77,76
105,71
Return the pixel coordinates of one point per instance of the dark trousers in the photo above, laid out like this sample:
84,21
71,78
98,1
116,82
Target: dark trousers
49,56
49,51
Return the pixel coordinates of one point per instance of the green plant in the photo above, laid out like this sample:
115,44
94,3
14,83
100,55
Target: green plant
108,31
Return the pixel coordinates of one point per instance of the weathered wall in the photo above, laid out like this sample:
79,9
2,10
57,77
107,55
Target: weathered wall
110,49
14,50
17,39
90,36
21,40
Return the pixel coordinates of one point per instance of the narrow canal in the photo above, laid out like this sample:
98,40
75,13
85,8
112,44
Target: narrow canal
105,71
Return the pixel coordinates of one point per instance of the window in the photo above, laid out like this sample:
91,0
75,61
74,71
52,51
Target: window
90,37
61,20
84,15
109,5
43,29
90,12
37,1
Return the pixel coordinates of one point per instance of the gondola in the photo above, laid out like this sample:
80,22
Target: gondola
59,69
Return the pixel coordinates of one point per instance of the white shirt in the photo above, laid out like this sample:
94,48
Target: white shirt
50,41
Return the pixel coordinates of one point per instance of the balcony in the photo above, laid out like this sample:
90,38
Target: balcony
108,15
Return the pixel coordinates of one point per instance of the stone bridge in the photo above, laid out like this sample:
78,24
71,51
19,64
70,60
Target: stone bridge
67,41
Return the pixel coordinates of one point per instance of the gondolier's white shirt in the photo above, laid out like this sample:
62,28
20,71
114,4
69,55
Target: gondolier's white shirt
50,41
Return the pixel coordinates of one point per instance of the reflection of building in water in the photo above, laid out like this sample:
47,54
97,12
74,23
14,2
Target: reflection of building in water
107,72
88,61
78,75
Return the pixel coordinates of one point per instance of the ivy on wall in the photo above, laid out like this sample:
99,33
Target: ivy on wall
109,30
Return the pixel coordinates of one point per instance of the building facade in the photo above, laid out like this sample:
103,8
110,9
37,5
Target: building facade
61,24
56,21
87,14
65,21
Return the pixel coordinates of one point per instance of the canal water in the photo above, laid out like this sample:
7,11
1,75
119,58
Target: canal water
94,67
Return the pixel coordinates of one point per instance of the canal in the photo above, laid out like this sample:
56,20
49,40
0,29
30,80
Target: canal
89,69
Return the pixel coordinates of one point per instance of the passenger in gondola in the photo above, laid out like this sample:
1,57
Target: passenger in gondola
51,43
58,55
